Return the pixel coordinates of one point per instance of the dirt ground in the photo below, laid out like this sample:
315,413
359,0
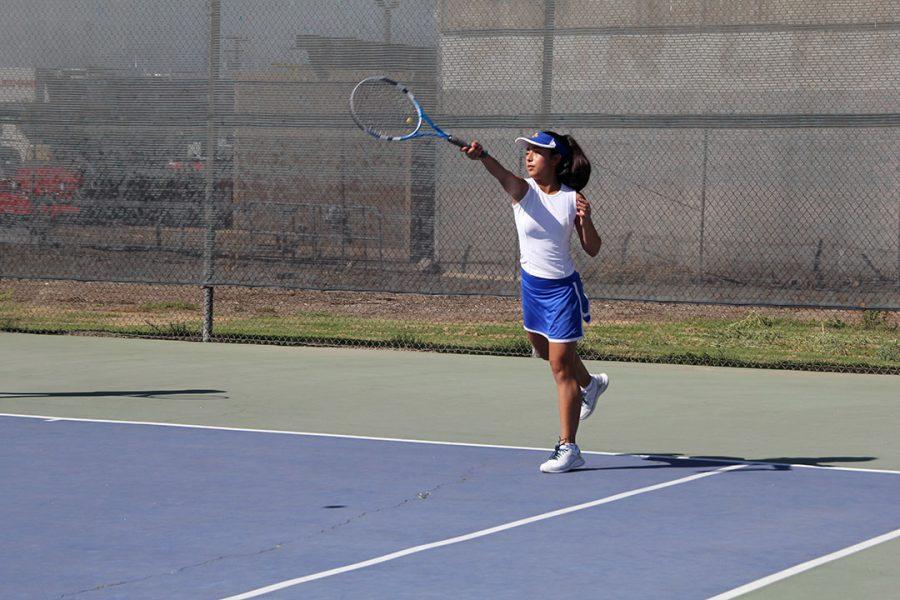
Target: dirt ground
237,302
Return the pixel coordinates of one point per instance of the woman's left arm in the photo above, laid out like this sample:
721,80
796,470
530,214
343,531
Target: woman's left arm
587,233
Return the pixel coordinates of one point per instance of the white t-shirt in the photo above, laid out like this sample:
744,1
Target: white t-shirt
545,223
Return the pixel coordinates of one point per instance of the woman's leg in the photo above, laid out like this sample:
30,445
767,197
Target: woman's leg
581,372
563,362
540,344
542,349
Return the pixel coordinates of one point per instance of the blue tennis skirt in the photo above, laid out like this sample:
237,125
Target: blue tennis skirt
555,308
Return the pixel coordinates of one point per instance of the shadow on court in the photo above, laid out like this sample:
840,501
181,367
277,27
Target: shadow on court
162,394
782,462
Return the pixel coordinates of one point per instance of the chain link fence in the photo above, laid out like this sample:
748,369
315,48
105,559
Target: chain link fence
745,154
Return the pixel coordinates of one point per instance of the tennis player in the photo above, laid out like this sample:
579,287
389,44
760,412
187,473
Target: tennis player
548,207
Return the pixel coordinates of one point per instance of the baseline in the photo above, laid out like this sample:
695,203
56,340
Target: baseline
443,443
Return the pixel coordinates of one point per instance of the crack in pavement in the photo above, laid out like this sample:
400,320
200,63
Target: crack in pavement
419,496
422,495
103,586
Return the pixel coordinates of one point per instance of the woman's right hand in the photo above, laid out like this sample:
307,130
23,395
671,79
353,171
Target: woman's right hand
474,150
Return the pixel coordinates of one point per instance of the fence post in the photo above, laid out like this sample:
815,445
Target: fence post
547,62
215,17
703,205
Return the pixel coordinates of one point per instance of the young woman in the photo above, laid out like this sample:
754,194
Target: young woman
548,207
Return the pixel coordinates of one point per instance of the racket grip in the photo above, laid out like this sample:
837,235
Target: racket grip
462,144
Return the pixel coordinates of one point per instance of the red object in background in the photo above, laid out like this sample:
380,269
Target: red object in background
49,186
19,204
181,166
14,203
59,182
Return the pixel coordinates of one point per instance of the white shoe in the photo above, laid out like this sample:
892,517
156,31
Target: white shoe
589,395
565,457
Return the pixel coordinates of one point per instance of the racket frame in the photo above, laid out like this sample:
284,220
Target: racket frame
422,116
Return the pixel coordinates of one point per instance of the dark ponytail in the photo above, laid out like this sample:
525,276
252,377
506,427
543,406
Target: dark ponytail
574,170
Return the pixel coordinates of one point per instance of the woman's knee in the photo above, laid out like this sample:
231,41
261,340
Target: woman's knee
562,368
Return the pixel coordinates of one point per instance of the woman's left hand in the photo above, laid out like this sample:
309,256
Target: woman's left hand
582,209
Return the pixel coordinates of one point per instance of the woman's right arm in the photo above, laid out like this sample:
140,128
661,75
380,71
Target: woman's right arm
515,186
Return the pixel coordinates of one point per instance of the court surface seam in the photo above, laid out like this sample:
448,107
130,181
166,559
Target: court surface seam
474,535
796,569
440,443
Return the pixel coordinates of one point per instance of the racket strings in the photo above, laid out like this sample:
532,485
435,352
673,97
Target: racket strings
384,110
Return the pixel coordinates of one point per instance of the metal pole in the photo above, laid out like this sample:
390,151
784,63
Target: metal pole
547,61
703,204
215,16
388,6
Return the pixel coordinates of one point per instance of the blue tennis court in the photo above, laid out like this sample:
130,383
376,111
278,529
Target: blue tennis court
104,509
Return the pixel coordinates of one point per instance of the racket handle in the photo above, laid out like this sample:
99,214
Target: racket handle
462,144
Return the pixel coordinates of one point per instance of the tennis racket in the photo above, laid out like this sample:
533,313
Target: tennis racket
388,110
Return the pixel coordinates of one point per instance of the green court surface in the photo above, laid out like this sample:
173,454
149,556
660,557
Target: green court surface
826,419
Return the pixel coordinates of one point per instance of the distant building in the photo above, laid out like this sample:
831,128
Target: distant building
296,147
18,88
97,119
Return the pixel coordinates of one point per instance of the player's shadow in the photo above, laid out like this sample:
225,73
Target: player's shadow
190,394
671,460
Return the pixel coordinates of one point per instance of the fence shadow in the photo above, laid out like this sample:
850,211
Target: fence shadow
162,394
669,460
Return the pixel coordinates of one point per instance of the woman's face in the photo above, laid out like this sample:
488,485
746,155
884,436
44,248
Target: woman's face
540,162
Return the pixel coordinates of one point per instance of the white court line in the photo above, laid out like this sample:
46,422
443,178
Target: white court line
471,536
440,443
755,585
738,464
